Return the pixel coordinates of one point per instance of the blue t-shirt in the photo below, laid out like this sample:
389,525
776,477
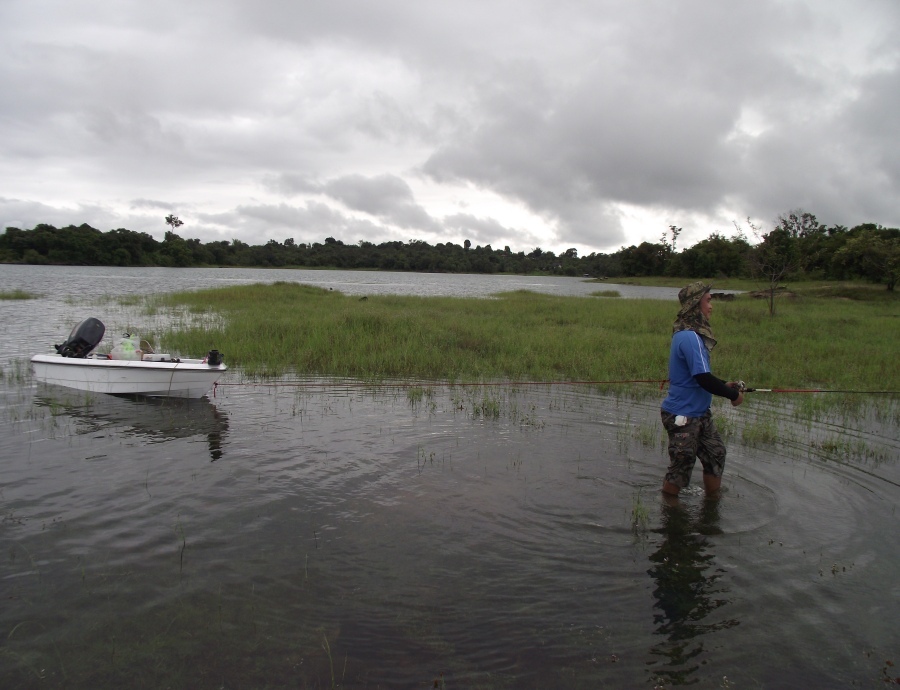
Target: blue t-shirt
687,358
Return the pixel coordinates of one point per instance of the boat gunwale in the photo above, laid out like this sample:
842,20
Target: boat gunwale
183,364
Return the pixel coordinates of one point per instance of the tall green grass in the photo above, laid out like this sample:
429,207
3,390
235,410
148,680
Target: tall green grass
810,342
273,329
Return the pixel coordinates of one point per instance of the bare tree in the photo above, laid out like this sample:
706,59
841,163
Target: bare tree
675,233
774,258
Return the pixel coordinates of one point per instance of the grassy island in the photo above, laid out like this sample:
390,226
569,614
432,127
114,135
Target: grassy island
843,337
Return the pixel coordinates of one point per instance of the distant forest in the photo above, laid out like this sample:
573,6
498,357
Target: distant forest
798,247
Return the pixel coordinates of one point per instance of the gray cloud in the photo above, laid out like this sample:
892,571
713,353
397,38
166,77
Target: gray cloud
152,204
488,231
376,196
527,123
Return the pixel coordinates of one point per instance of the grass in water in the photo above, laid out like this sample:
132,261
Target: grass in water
17,294
415,395
812,342
640,515
647,434
272,329
760,432
19,371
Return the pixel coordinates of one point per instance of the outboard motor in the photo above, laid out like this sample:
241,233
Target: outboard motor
83,338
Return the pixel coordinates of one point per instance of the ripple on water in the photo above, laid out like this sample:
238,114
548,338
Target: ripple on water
501,541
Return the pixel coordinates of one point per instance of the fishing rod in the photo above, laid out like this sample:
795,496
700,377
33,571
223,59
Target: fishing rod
745,389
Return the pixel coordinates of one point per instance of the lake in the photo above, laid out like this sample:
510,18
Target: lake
311,533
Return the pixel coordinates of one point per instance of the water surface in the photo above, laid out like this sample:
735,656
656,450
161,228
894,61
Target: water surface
309,533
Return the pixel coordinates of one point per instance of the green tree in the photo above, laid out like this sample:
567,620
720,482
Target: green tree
175,251
646,259
715,256
873,255
173,220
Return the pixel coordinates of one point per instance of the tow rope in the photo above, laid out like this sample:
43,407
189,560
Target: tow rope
435,384
429,384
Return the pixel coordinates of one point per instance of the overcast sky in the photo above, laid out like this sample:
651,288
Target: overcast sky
592,124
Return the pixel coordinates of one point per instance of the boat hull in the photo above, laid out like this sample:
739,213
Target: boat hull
187,378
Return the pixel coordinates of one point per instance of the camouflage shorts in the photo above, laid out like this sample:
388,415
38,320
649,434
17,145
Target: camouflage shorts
695,439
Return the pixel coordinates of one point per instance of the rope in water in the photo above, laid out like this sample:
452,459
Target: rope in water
432,384
419,384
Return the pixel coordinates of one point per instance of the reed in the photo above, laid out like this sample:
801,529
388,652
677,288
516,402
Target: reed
760,431
520,336
414,396
17,294
21,370
640,515
272,329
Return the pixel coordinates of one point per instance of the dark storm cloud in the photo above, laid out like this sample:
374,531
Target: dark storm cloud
529,123
656,124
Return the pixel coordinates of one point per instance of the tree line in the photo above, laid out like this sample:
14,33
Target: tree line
797,247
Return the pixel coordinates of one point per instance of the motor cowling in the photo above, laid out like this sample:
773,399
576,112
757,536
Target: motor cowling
83,339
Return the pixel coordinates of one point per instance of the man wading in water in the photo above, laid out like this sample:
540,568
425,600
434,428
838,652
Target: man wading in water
685,411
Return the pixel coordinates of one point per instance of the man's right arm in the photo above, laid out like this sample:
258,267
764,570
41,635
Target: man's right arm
716,386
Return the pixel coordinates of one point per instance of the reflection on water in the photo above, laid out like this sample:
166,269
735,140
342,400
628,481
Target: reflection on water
361,537
152,419
479,536
689,590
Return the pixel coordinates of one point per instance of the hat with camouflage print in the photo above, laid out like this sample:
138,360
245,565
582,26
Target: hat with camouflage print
690,317
690,295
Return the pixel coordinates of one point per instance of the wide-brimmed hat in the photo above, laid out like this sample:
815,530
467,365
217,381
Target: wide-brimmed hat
690,295
690,316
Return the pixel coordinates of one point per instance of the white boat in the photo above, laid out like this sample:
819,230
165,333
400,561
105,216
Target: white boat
182,378
73,366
